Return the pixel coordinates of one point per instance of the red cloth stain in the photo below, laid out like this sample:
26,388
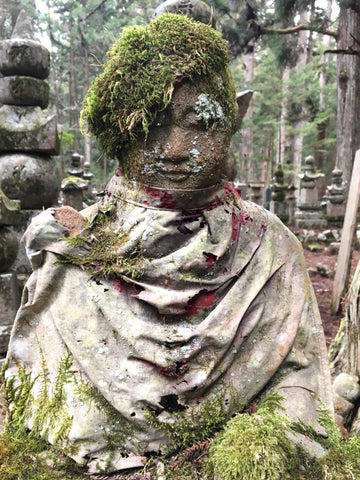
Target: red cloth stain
218,203
210,257
119,285
230,188
203,299
238,219
166,199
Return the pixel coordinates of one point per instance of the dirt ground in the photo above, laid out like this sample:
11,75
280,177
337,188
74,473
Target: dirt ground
323,286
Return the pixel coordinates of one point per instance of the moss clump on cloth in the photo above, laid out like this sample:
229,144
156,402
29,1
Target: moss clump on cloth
101,248
143,68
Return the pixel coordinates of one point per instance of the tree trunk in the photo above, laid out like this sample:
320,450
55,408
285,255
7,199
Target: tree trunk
298,141
283,141
321,128
88,143
348,71
247,133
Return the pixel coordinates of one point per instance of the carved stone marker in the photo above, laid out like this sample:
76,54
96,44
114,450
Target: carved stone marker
174,303
335,205
278,204
26,129
309,213
28,136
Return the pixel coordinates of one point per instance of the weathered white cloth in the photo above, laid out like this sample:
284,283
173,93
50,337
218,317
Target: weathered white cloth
223,303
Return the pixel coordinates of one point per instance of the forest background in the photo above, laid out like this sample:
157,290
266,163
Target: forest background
300,57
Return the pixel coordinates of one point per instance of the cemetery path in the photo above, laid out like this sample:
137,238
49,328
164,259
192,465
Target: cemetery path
320,264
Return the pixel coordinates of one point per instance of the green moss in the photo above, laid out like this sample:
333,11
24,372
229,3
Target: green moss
247,447
11,205
100,244
184,429
143,68
255,447
24,454
73,178
315,247
48,411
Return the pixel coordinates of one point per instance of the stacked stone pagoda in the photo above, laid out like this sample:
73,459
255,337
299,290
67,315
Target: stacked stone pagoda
28,138
278,192
335,199
74,186
309,213
28,133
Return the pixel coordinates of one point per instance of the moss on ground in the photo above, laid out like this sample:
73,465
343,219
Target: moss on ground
251,446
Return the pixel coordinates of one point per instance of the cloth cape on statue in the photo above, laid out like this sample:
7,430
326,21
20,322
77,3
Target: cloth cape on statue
222,307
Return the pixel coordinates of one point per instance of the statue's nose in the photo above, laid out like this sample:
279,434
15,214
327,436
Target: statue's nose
179,143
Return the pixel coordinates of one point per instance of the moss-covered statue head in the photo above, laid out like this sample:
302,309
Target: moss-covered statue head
140,89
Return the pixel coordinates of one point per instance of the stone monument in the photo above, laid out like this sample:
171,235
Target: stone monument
309,212
9,287
74,186
278,204
28,138
28,133
335,200
172,304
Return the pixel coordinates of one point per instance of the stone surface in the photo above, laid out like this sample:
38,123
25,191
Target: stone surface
196,9
347,386
9,210
22,264
73,188
22,90
30,179
324,270
24,57
5,332
9,303
28,129
23,28
8,248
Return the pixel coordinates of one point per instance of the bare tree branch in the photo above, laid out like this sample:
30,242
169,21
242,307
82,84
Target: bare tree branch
297,28
349,51
95,8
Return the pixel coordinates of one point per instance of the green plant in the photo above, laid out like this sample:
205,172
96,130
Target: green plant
256,447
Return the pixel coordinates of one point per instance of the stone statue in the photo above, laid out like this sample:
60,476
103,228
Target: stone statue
171,297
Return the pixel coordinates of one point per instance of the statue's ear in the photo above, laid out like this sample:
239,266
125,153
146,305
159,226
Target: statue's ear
242,101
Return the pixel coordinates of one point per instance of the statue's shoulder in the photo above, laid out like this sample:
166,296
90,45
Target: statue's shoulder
49,227
276,231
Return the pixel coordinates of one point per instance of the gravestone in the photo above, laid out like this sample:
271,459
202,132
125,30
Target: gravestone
309,212
28,139
278,204
335,200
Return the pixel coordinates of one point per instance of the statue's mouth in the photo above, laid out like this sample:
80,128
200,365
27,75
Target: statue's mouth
178,174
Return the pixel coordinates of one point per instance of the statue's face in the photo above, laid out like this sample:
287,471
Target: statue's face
186,146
